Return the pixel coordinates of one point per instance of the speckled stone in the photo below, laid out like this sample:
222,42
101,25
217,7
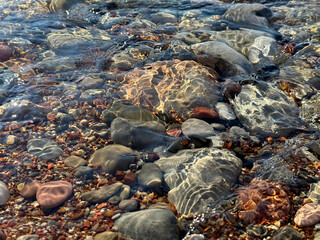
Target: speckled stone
307,215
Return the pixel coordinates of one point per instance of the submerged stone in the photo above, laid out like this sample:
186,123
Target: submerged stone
44,149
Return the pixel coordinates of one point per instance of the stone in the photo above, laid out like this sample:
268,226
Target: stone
287,233
257,231
150,176
84,172
314,192
225,111
74,161
156,224
206,113
266,110
194,127
4,193
263,46
137,134
3,236
5,53
130,179
194,237
11,140
129,205
228,61
124,192
114,200
92,81
54,193
119,109
308,215
102,194
310,111
113,158
56,5
43,148
253,16
162,86
29,237
30,189
108,236
197,177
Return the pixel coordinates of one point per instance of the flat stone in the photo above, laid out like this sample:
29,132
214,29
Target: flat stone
137,134
129,205
44,149
107,236
11,140
150,176
156,224
4,193
5,53
74,161
30,190
287,233
310,111
262,108
52,194
84,171
197,177
102,194
113,158
307,215
225,111
262,46
314,192
28,237
206,113
194,127
56,5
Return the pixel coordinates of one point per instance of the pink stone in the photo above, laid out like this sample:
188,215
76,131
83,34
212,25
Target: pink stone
5,53
30,190
52,194
307,215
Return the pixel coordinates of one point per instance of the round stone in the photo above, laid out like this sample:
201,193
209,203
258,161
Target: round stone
4,193
129,205
308,215
30,190
74,161
52,194
5,53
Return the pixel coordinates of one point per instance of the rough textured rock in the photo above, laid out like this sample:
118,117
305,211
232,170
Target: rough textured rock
264,109
172,85
150,176
119,109
137,134
310,111
197,177
197,128
4,193
43,148
307,215
225,111
30,190
102,194
74,161
157,224
287,233
56,5
225,59
314,192
52,194
113,158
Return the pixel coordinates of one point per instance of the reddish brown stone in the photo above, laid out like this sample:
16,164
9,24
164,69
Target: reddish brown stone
52,194
130,179
5,53
30,190
203,112
308,215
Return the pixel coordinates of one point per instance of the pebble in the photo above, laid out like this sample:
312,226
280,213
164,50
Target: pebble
74,161
197,128
2,235
114,200
29,237
30,189
52,194
225,111
5,53
287,233
129,205
44,149
150,176
125,192
102,194
107,236
4,193
307,215
11,140
205,113
84,172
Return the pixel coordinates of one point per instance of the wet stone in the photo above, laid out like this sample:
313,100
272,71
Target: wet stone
114,200
74,161
287,233
197,128
107,236
310,111
113,158
84,172
2,235
225,111
129,205
194,237
30,190
92,81
307,215
56,5
257,231
150,176
262,47
157,224
102,194
314,192
125,192
264,109
197,177
44,149
52,194
4,193
11,140
5,53
137,134
28,237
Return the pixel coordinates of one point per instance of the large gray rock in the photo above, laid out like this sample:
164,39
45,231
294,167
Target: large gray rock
264,109
44,149
226,59
137,134
4,193
113,158
197,177
156,224
102,194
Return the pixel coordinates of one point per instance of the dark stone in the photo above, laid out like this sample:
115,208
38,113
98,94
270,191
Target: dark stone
85,172
287,233
150,176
